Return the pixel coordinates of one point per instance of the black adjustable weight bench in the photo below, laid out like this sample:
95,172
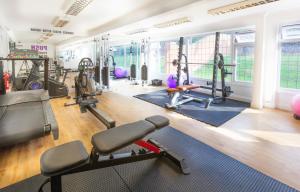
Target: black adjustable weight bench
73,158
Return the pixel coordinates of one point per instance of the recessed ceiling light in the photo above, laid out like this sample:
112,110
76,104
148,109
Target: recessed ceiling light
77,7
239,6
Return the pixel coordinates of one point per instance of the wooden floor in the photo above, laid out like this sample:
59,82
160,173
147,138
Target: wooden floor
267,140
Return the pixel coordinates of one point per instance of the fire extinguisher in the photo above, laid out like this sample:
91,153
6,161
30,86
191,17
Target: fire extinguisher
6,77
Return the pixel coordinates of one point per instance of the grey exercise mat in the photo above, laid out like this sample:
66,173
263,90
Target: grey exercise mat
215,115
211,171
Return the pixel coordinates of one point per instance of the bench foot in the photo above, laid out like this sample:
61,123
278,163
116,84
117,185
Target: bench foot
56,184
175,158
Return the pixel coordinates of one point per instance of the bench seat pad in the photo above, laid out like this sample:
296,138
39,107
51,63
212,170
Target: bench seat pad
116,138
158,121
63,158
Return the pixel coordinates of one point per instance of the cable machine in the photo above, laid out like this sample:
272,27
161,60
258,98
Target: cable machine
102,71
144,60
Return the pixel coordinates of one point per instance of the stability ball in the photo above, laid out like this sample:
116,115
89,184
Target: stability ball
296,106
171,81
120,73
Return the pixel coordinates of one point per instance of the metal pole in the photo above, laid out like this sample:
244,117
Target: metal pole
2,85
46,73
13,75
181,41
215,67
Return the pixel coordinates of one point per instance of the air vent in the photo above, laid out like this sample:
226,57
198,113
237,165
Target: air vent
60,22
174,22
77,7
239,6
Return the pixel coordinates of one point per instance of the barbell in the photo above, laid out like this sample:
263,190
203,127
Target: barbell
175,62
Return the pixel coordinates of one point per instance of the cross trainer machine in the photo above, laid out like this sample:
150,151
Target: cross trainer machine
34,81
73,158
179,95
86,91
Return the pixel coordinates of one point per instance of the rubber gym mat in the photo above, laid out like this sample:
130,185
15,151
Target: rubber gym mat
215,115
211,171
106,180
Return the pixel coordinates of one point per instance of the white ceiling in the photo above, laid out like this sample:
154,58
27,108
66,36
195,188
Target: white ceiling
100,15
118,17
201,20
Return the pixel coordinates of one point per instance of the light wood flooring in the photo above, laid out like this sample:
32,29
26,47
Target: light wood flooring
267,140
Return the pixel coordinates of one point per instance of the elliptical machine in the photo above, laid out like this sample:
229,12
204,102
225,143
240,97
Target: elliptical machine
34,81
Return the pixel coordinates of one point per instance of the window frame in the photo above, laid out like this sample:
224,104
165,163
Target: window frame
280,43
235,48
188,43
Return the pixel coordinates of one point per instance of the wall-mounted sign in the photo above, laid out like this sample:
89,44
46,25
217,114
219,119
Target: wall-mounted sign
39,47
23,53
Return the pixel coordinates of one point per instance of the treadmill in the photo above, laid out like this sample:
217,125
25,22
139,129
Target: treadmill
26,115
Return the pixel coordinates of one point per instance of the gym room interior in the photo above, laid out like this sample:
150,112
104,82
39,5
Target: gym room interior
149,95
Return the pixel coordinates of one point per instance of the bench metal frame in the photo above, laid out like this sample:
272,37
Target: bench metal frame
180,98
150,149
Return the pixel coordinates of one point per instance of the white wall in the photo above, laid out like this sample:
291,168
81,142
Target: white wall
4,42
79,50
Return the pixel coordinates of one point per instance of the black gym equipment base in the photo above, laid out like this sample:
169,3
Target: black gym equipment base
211,171
215,115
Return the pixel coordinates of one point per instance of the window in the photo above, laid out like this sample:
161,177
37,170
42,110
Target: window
201,55
290,57
244,58
290,65
166,51
171,49
158,57
118,53
290,32
135,57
